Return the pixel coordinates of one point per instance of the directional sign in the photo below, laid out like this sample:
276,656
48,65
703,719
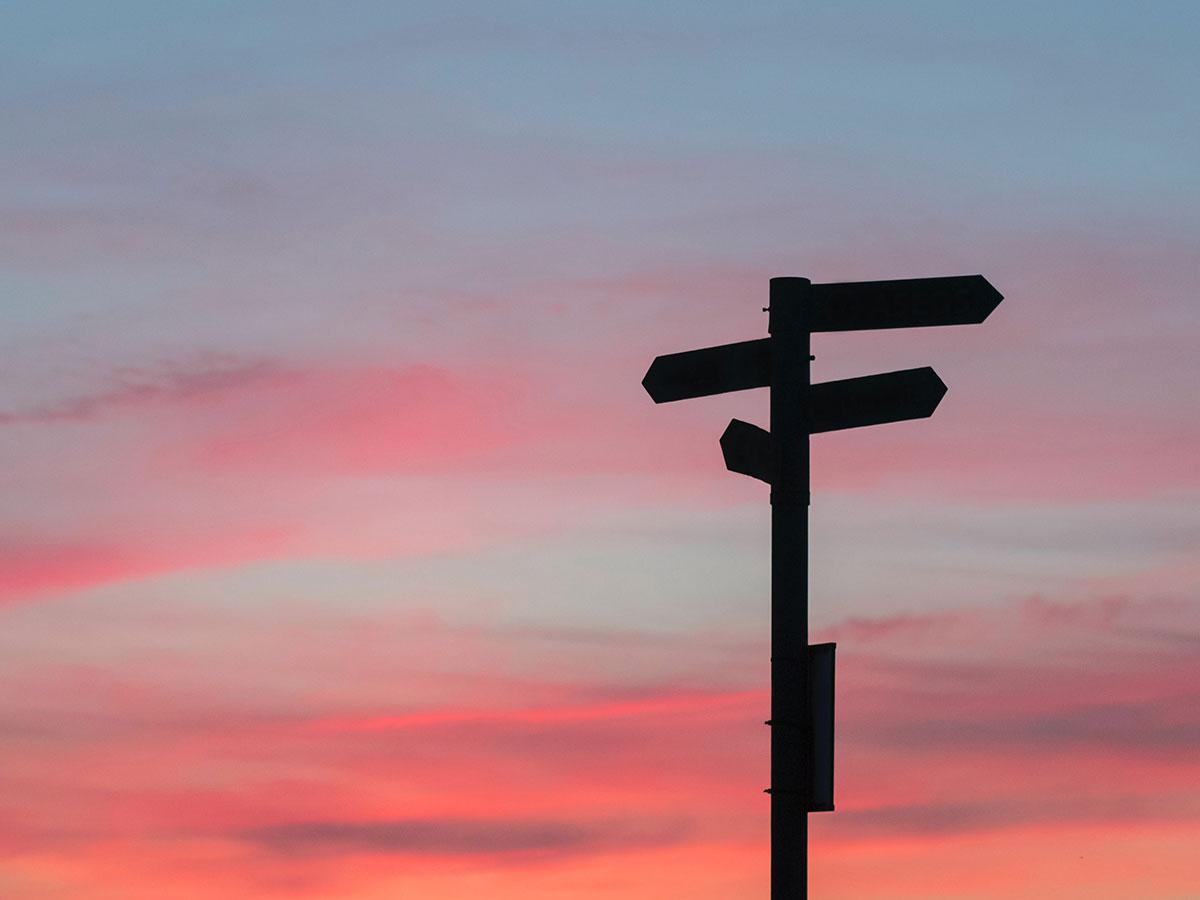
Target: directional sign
802,679
834,405
874,399
749,450
713,370
903,303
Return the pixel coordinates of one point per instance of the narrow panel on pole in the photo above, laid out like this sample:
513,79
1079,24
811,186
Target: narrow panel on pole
821,694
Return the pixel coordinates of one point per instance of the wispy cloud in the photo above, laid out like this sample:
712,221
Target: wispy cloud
521,838
32,566
136,388
916,821
660,704
1026,732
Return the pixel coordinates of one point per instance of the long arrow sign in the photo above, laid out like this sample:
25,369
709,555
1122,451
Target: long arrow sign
902,303
834,405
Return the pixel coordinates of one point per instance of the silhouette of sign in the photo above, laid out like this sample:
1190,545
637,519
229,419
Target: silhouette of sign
846,306
834,405
820,686
802,675
713,370
901,303
820,736
874,399
749,450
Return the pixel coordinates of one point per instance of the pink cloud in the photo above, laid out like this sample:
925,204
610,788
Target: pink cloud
367,420
31,568
966,456
206,379
663,705
1013,726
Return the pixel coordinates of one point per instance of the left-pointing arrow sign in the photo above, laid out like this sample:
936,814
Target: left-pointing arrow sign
749,450
713,370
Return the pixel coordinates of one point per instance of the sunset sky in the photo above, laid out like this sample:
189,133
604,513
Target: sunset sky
343,557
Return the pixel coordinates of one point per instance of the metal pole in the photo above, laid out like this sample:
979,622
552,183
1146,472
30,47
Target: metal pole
791,717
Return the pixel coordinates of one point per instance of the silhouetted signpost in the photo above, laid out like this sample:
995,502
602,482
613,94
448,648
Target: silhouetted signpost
802,675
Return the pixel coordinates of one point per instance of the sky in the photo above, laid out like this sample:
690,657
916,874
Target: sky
343,556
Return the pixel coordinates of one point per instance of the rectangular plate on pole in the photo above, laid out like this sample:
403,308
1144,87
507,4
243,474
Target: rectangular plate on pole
901,303
820,685
874,399
712,370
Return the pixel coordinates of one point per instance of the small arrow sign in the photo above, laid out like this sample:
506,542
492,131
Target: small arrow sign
749,450
874,399
713,370
901,303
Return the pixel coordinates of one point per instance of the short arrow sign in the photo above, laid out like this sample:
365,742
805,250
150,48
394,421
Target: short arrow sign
749,450
874,399
902,303
713,370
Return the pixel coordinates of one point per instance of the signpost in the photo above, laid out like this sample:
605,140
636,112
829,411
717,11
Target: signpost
801,675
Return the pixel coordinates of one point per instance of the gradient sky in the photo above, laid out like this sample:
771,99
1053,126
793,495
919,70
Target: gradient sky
342,555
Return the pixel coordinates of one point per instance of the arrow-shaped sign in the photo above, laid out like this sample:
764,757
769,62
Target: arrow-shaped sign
713,370
834,405
749,450
846,306
901,303
874,399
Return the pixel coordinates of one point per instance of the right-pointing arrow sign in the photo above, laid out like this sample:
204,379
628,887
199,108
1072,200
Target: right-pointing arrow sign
874,399
901,303
833,405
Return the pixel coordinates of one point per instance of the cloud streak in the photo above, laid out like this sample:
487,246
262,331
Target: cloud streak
664,704
136,388
1023,748
521,838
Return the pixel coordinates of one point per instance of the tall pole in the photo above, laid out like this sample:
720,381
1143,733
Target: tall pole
791,715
